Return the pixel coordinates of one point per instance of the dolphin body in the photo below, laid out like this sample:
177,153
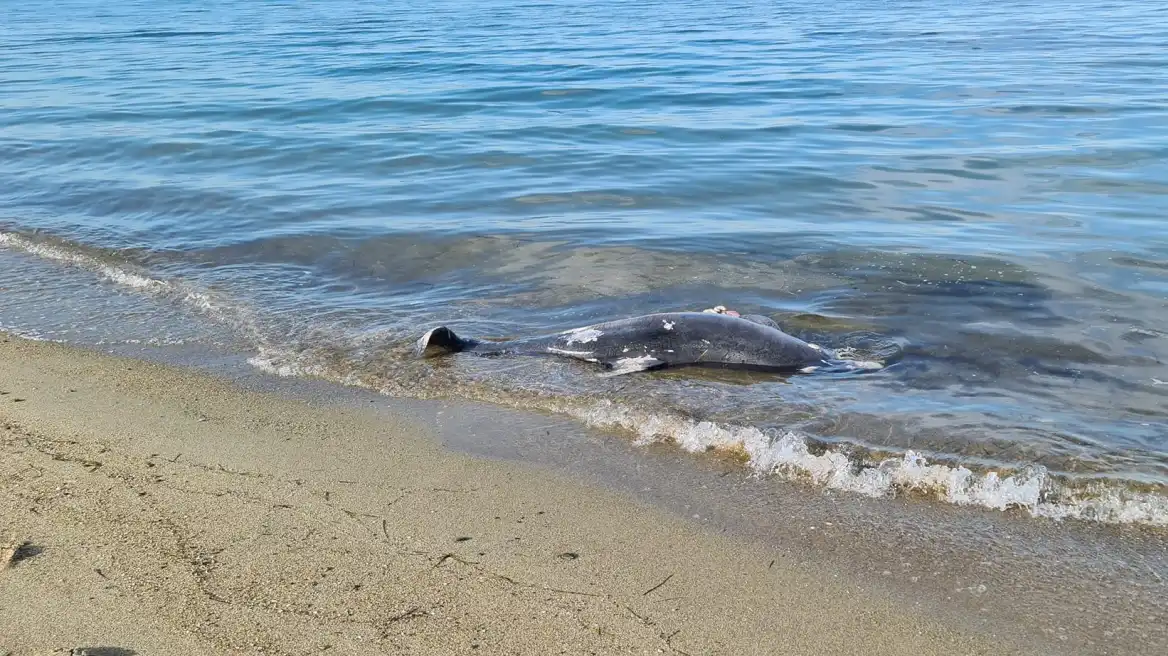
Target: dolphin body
655,341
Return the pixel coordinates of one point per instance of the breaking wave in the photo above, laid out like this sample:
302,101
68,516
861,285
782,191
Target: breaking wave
126,274
121,275
793,456
790,455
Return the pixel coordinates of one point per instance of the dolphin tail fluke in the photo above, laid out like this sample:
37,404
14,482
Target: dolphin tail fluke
440,341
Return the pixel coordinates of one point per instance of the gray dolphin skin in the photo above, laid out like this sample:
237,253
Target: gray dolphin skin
655,341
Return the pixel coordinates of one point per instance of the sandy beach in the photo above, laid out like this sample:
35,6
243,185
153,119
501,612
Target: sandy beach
160,511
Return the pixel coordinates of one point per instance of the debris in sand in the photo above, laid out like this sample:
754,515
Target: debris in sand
13,551
8,554
646,593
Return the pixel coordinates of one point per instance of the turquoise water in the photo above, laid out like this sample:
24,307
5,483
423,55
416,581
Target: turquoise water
974,192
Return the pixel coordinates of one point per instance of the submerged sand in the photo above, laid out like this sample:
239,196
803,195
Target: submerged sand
167,512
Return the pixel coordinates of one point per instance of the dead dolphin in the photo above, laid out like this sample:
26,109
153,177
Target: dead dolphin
672,339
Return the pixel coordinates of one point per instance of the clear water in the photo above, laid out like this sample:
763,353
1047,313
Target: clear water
976,192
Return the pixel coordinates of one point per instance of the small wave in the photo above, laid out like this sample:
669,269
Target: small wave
128,275
29,335
278,363
50,251
790,455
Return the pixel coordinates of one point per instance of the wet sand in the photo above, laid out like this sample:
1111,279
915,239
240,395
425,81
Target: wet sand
169,512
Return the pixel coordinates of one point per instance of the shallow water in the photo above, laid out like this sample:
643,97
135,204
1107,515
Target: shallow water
975,193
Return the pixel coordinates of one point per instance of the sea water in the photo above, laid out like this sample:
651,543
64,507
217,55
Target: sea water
974,193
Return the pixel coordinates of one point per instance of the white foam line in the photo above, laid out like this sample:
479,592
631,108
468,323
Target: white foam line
278,363
28,335
113,274
1031,489
204,302
787,455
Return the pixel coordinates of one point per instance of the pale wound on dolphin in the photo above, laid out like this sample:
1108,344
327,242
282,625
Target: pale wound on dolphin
582,335
668,324
583,355
632,365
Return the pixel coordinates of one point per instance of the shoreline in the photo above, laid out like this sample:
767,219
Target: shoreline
173,513
271,463
189,316
1012,485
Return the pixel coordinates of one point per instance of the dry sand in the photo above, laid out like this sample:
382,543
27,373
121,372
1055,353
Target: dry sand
167,512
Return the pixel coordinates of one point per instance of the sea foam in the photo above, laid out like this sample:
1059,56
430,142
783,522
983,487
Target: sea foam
789,455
